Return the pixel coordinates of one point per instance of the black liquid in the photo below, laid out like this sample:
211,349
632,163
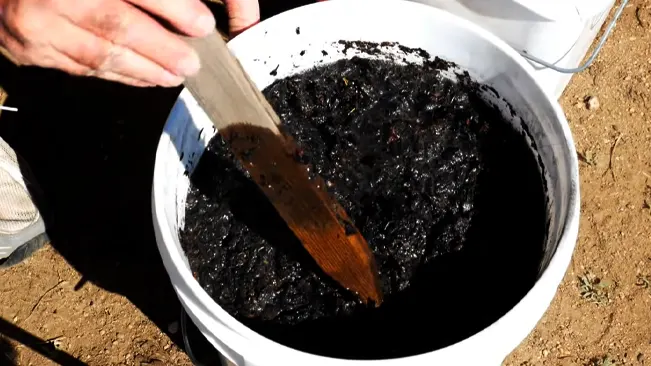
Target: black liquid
448,195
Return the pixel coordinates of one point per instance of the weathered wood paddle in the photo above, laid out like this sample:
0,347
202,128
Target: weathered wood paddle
249,125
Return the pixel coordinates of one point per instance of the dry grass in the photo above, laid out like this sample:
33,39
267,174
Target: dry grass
593,289
602,361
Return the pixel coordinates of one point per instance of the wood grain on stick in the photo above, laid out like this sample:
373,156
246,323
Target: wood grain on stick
249,125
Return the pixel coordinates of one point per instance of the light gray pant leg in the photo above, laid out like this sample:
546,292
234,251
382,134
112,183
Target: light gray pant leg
21,225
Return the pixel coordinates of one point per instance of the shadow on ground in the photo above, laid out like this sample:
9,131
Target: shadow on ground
7,353
90,145
46,348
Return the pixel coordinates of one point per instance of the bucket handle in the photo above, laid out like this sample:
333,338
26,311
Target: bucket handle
590,60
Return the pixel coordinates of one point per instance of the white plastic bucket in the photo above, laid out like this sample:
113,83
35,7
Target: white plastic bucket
276,45
559,32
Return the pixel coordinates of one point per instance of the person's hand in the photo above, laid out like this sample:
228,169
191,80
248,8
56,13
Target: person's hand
112,39
242,14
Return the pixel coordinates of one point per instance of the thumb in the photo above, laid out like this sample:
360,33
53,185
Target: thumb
242,14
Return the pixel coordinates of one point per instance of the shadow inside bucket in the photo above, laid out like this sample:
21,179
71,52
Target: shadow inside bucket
451,298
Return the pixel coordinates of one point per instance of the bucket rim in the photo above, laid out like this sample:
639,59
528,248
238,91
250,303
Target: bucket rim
242,339
558,10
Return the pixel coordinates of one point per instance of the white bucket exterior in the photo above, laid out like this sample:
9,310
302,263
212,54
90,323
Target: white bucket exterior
276,42
559,32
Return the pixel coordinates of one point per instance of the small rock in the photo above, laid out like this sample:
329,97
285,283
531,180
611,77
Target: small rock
640,357
167,346
173,327
592,103
57,344
545,352
102,332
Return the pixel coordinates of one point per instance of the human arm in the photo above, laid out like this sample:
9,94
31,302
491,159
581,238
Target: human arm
113,39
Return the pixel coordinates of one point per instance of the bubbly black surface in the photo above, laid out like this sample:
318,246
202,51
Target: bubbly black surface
448,195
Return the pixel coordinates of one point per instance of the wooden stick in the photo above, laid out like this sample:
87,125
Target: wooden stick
249,124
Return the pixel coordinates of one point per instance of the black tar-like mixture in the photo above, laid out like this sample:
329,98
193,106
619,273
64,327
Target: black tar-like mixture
448,195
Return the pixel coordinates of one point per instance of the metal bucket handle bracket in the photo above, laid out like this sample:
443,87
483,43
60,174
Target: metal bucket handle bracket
592,57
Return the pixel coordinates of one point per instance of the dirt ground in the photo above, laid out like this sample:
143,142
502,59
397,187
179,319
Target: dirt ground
70,300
